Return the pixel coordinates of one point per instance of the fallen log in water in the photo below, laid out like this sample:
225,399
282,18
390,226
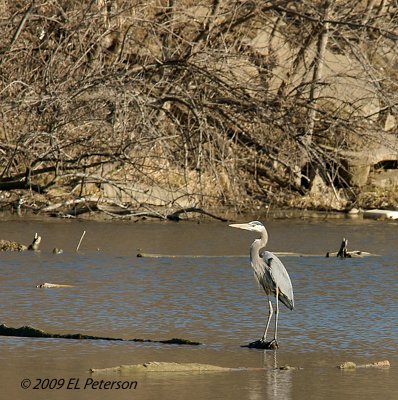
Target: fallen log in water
351,254
75,207
153,255
28,331
344,253
156,366
278,253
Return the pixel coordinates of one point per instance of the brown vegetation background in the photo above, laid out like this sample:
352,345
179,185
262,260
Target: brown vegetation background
141,104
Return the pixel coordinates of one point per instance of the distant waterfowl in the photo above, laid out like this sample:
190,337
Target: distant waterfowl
35,244
57,250
271,274
9,245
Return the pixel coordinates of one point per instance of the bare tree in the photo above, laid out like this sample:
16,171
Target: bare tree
207,102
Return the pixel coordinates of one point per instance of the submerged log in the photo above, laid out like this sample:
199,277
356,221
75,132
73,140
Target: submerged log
28,331
352,254
344,253
155,366
153,255
278,253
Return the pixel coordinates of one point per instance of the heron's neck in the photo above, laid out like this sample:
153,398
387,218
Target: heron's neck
258,245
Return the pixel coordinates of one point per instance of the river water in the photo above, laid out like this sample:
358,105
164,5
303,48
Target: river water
345,310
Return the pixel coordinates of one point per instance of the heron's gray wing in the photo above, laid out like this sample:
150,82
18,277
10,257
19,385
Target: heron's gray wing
280,277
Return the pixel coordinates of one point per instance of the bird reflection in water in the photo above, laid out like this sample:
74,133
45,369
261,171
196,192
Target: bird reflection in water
278,381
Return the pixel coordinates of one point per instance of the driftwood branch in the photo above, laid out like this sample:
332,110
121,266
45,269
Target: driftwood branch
343,249
344,253
118,210
175,216
80,241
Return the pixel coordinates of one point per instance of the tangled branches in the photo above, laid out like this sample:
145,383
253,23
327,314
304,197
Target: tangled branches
212,101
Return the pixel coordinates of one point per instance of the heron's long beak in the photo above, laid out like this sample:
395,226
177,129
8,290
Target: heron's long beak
247,227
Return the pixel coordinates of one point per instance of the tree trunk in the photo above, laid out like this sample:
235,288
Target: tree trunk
318,70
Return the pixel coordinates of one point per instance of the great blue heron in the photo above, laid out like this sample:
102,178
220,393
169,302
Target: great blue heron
271,274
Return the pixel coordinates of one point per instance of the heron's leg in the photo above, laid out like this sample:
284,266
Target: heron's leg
271,311
276,313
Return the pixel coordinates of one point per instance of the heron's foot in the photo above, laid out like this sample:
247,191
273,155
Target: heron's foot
273,344
262,344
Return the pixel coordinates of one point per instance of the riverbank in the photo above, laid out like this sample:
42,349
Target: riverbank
28,204
240,105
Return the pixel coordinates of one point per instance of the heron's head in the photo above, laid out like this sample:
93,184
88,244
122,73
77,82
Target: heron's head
254,226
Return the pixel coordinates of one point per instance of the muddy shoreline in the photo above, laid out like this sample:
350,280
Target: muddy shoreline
222,214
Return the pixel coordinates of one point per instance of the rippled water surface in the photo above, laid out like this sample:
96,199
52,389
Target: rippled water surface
345,310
